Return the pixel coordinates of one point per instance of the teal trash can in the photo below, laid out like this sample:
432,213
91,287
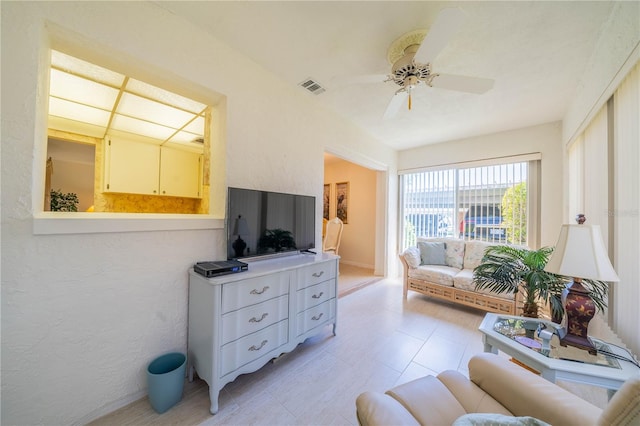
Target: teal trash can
165,378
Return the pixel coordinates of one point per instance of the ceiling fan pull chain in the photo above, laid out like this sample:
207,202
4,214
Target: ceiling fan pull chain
409,101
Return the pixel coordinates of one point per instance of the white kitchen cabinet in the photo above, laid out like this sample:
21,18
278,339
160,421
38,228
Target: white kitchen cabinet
134,167
131,167
239,322
180,172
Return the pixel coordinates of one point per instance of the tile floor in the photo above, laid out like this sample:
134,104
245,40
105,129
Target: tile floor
381,341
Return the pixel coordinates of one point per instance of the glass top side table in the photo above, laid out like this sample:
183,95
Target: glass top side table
517,337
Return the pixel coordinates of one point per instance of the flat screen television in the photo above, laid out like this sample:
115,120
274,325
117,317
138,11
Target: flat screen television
263,223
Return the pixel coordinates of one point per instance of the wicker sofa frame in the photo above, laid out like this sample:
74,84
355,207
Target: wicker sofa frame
473,299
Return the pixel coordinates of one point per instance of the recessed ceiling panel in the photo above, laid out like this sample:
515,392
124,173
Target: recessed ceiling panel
164,96
81,90
184,137
90,71
144,128
136,106
196,126
78,112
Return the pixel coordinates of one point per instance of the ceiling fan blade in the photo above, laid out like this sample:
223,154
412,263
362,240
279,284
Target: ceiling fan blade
397,101
462,83
443,29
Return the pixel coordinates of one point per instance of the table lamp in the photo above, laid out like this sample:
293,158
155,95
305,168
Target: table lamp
240,227
580,253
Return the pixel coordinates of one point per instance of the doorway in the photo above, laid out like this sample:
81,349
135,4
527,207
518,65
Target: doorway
351,193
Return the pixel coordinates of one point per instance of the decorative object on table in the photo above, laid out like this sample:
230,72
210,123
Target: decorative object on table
61,202
342,198
511,269
580,253
326,196
277,239
240,227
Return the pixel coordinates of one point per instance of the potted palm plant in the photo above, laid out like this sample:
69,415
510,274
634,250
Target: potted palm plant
511,269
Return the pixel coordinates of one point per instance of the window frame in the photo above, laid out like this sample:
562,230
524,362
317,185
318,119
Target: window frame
55,223
533,183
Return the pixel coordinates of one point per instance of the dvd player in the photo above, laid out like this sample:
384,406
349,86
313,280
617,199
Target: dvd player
223,267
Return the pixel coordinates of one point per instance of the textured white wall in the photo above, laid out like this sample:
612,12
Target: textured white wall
545,139
83,314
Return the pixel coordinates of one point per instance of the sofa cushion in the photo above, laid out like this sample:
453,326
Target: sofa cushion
435,274
453,252
412,256
431,253
474,252
464,281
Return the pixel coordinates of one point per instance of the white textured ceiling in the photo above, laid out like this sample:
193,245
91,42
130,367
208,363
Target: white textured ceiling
535,51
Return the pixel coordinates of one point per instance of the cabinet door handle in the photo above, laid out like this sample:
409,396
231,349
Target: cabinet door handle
317,296
253,347
254,319
318,274
318,317
265,288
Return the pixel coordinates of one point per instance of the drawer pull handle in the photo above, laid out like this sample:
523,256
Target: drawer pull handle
317,296
318,317
265,288
254,319
253,347
318,274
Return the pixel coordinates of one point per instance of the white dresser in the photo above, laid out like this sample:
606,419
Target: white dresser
239,322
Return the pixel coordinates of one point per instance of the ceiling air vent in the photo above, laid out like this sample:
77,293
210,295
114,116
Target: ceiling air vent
312,86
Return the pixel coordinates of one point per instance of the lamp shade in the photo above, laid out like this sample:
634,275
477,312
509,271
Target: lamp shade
241,227
580,253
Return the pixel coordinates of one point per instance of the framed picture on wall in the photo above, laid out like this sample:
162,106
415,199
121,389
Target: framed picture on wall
325,200
342,201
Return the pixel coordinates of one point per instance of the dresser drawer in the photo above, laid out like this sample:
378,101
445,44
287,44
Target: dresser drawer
316,316
251,347
248,320
240,294
315,294
314,274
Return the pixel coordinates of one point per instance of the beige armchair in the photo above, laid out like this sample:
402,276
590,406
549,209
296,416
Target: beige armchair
497,386
331,242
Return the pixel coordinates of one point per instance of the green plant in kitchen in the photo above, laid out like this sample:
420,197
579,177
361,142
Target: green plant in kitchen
63,202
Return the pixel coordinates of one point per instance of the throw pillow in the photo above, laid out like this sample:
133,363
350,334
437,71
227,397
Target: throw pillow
432,253
489,419
412,256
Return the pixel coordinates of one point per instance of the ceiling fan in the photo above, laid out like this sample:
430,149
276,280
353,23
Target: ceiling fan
412,54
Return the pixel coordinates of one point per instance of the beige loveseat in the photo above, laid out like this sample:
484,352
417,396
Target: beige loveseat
449,276
505,392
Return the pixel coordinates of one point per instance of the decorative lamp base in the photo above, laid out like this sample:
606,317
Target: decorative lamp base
579,309
238,246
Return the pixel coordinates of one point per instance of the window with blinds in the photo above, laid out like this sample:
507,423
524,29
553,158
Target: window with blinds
487,202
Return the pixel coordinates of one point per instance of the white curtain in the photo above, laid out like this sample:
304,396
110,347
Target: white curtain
589,175
626,212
